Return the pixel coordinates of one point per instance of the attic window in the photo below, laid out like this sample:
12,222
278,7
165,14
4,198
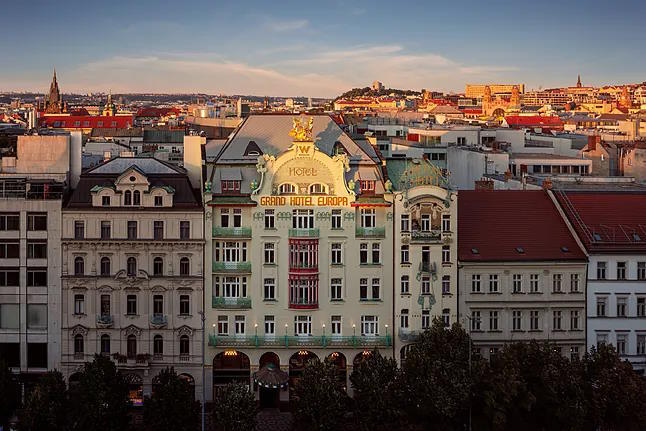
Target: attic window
339,148
252,149
475,251
636,237
520,250
367,185
230,186
564,249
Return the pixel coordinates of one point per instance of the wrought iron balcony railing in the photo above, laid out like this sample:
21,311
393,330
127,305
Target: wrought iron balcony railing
287,341
304,233
232,232
221,302
370,232
231,266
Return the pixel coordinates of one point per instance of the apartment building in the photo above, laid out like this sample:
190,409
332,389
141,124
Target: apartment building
522,273
299,218
612,226
132,268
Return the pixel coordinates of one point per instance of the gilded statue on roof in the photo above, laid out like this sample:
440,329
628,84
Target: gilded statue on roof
301,131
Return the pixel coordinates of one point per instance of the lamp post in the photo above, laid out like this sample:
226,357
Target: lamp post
386,325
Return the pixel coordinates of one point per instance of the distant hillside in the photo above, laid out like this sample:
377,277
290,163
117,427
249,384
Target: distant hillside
368,91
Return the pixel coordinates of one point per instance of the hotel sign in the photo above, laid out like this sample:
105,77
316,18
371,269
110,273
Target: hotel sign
304,201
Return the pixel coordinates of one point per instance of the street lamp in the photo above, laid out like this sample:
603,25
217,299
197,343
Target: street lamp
354,330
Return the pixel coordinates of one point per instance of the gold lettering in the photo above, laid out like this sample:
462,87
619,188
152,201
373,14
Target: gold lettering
302,172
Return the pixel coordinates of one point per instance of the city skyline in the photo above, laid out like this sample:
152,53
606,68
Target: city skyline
320,50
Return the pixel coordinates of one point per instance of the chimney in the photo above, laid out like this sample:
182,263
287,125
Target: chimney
593,141
547,184
484,184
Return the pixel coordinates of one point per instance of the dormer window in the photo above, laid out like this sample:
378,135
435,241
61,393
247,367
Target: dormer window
367,186
287,189
318,189
230,186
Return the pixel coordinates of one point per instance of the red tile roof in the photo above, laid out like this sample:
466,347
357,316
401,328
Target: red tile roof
85,121
551,122
512,225
610,221
157,112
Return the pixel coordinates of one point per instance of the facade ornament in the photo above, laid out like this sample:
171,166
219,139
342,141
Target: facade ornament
184,330
389,186
79,329
132,330
301,132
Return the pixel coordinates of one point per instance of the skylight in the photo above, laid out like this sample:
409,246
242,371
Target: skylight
475,251
596,236
564,249
636,237
520,250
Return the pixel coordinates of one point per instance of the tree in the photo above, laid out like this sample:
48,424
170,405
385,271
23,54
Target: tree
378,392
235,408
100,398
172,404
437,379
320,402
8,393
46,406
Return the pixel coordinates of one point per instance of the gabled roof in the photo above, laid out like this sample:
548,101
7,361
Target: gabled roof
85,121
533,121
512,226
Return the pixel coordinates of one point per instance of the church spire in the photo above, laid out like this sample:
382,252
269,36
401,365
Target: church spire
578,82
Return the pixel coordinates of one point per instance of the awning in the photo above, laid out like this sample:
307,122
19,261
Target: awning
271,376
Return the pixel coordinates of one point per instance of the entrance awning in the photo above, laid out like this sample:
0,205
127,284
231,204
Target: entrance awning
271,376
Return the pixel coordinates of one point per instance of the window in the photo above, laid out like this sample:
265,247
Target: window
641,306
9,222
184,344
574,283
426,285
131,266
106,230
336,253
230,186
105,345
184,229
36,221
376,253
369,325
475,283
601,270
493,320
403,318
446,285
517,320
127,198
158,347
426,319
131,305
270,325
621,270
405,255
223,325
224,217
367,186
10,317
239,325
37,316
105,305
621,307
405,222
79,347
533,320
574,320
158,266
363,288
517,283
601,307
574,353
446,254
131,347
621,344
269,289
363,253
302,325
184,267
159,201
79,266
335,325
318,189
136,197
336,219
336,287
158,229
287,189
270,253
79,304
376,288
475,320
184,305
602,339
36,277
446,318
303,219
493,283
105,201
270,219
35,250
368,217
79,229
557,318
132,229
232,287
426,222
641,344
641,270
405,285
557,285
158,304
446,222
533,283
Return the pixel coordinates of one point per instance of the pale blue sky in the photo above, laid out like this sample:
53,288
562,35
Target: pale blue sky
318,48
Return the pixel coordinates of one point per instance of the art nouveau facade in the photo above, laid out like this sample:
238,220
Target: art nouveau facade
301,252
132,272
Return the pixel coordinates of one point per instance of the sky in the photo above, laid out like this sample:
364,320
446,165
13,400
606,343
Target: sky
317,48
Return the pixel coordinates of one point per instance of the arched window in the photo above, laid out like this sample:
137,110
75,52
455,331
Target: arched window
158,346
105,345
79,345
79,266
127,198
287,189
184,266
136,198
105,266
184,345
318,189
131,346
131,266
158,266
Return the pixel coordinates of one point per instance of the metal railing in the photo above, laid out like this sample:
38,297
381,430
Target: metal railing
221,302
231,266
304,233
287,341
104,319
232,232
158,319
370,232
426,235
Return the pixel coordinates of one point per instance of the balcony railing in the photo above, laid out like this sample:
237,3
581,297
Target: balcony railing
158,319
370,232
427,267
304,233
232,232
426,235
303,305
408,335
288,341
104,319
231,266
220,302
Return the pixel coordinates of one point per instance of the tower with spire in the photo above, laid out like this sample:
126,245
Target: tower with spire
578,82
54,99
109,109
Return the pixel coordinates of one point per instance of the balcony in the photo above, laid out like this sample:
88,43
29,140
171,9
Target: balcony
231,232
158,320
231,266
370,232
303,305
426,236
104,320
304,233
427,267
408,334
232,303
288,341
